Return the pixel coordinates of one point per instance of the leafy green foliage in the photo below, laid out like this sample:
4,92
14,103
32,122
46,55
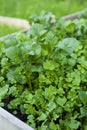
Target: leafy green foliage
43,74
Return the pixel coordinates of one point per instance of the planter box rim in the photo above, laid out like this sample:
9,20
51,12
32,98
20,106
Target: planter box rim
74,15
14,120
15,22
12,34
67,17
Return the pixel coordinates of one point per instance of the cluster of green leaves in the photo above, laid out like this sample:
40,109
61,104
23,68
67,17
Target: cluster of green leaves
43,74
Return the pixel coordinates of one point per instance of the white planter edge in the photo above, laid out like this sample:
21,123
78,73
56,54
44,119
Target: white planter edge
18,124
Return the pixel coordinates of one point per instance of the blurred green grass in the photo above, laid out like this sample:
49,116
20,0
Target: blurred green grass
5,29
24,8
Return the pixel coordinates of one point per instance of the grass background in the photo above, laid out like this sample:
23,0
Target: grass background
25,8
5,29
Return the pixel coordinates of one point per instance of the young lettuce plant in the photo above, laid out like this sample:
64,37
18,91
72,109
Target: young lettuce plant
43,74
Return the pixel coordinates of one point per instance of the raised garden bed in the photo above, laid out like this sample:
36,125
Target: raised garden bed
43,75
9,25
10,122
14,22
